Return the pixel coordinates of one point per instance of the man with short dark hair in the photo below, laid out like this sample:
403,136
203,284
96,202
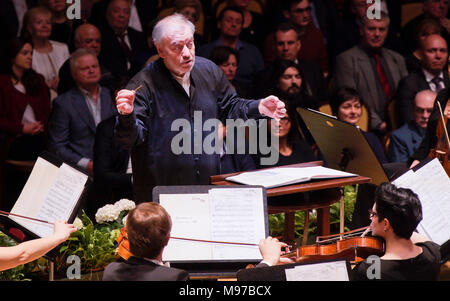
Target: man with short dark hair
372,70
230,24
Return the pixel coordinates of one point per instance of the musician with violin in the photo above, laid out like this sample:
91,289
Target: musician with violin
436,140
28,251
408,256
148,229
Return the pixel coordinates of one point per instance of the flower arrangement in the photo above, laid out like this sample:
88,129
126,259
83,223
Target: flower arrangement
93,243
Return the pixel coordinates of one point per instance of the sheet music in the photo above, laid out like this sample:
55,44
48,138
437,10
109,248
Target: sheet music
432,185
237,215
59,202
224,215
325,271
187,212
287,175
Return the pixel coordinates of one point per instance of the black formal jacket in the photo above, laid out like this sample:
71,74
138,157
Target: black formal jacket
139,269
113,58
407,89
164,114
110,165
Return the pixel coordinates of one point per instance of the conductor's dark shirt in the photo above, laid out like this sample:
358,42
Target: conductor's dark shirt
162,110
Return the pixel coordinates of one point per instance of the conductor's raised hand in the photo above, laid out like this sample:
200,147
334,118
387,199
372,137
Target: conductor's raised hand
125,101
272,107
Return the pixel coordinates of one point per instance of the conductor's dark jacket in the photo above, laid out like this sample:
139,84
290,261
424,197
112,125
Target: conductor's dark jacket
162,111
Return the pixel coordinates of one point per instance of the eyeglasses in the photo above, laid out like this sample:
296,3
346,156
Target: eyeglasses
301,10
285,120
372,213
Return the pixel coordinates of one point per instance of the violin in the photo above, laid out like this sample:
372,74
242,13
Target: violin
345,245
442,149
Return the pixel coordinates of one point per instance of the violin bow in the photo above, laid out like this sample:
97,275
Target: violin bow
216,242
7,214
443,123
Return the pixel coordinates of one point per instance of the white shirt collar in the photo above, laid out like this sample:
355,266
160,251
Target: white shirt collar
184,81
429,77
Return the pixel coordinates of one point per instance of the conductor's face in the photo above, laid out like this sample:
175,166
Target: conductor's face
177,50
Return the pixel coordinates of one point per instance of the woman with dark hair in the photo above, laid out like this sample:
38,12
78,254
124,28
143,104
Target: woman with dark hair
346,105
24,103
227,59
287,83
408,256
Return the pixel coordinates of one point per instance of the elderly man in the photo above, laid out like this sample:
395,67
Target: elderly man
406,139
433,76
178,88
86,36
372,70
77,113
124,44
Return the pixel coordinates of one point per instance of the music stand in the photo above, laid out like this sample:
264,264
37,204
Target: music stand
343,145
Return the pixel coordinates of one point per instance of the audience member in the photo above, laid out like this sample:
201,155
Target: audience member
11,17
24,102
148,228
298,12
408,255
230,25
287,83
287,47
48,55
253,27
141,13
348,30
124,44
192,10
426,28
227,59
432,76
346,105
432,9
63,29
89,37
430,140
405,140
77,113
372,70
112,166
31,250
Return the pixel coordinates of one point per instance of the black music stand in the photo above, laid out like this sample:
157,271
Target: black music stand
343,145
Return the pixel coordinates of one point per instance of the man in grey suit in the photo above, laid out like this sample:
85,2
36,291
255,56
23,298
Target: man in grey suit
77,112
372,70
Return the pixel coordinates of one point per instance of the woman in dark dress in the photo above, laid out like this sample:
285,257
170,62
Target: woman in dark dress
408,256
24,103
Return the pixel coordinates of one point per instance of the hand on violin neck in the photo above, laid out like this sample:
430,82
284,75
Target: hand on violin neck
270,249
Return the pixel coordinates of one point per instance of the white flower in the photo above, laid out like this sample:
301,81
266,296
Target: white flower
125,204
78,223
124,219
107,213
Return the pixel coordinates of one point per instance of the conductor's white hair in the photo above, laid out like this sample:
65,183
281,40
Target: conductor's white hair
169,25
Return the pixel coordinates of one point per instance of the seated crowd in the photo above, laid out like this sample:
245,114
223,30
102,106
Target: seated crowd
60,77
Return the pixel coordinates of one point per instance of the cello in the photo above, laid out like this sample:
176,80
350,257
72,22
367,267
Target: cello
442,148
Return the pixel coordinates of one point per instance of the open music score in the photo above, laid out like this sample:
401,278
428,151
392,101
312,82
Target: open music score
223,214
51,193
